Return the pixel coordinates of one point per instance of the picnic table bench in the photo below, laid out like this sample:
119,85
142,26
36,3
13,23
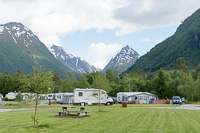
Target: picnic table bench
66,113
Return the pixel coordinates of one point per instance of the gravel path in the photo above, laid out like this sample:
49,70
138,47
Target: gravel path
5,110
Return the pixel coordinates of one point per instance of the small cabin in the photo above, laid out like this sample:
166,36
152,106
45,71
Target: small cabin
136,97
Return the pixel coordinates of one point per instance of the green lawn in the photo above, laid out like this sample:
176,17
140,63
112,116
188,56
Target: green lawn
111,119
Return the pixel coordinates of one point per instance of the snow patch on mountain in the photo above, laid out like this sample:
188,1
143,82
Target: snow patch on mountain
125,58
19,33
74,62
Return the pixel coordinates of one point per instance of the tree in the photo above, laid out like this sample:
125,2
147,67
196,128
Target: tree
56,78
84,83
100,82
38,82
109,75
19,96
181,65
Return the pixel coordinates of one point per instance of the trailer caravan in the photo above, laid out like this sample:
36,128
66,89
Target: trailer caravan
91,96
1,96
65,98
28,97
51,96
68,98
11,96
131,97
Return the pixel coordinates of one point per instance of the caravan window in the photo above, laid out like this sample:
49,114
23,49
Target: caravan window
95,94
80,94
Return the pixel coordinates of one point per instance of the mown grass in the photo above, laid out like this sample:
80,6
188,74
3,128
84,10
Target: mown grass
111,119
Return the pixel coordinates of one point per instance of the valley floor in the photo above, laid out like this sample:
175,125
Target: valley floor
135,118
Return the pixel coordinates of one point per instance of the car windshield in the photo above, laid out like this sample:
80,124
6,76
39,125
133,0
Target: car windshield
176,98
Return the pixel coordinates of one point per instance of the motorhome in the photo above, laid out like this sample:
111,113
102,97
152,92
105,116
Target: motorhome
91,96
11,96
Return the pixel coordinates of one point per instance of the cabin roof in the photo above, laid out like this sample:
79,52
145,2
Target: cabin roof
136,93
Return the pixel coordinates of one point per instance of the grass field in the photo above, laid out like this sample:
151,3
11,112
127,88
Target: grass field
111,119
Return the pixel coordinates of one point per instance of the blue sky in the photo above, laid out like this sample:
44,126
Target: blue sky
142,41
96,30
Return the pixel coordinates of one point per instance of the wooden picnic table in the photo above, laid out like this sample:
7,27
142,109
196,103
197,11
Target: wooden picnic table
67,112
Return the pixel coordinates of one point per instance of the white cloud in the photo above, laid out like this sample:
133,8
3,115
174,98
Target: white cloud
145,40
54,19
99,54
147,14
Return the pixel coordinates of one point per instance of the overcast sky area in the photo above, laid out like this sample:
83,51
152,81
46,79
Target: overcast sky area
96,30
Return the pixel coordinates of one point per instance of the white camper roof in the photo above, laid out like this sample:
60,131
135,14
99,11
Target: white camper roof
136,93
88,89
69,94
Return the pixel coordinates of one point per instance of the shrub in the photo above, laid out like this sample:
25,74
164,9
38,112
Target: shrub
5,99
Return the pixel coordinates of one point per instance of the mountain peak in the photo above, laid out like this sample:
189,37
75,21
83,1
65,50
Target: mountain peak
74,62
125,58
19,34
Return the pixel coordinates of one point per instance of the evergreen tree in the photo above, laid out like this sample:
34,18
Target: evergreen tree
181,65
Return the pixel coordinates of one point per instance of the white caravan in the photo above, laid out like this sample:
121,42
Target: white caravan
51,96
11,96
1,96
65,98
28,97
135,96
91,96
68,98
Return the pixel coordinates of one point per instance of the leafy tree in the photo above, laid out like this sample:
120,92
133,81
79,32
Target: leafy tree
19,96
38,82
100,82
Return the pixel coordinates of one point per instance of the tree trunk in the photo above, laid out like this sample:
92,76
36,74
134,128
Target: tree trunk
99,101
36,108
192,97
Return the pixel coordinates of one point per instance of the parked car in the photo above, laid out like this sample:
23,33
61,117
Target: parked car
176,100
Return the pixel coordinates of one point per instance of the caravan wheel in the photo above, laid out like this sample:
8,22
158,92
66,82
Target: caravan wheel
108,104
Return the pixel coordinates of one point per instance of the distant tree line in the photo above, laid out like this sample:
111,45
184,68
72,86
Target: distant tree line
181,81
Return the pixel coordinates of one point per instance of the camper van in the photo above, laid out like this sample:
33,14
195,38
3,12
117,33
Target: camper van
11,96
91,96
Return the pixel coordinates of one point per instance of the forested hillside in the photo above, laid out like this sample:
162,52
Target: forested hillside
179,81
184,43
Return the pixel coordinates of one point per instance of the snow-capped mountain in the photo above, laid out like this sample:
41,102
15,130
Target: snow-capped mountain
19,33
20,49
74,62
123,60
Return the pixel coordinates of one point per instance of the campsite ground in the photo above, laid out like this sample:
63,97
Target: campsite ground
135,118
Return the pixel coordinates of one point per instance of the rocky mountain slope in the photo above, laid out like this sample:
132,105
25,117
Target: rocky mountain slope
123,60
74,62
20,49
